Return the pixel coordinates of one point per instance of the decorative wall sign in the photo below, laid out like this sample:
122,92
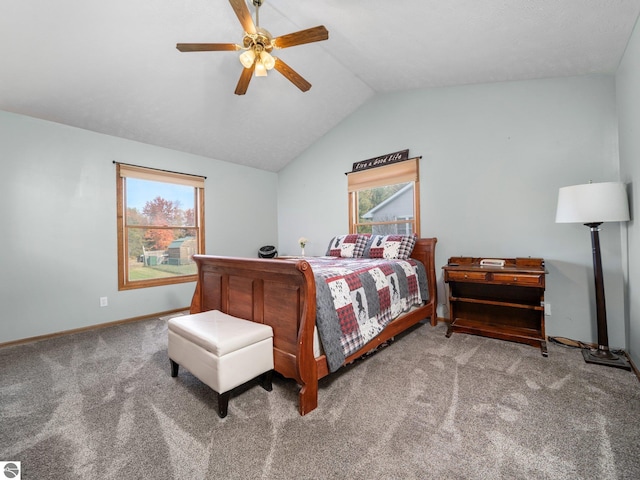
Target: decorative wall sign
387,159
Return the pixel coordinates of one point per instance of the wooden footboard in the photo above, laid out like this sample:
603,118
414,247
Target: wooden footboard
281,293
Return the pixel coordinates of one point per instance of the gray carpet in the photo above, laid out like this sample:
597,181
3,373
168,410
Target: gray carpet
102,405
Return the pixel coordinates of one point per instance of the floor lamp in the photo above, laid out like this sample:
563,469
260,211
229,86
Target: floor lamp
592,204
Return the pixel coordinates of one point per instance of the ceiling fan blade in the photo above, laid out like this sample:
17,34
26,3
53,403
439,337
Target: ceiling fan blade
293,76
244,15
207,47
245,78
315,34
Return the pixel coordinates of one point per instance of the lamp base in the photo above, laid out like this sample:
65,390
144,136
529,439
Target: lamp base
605,357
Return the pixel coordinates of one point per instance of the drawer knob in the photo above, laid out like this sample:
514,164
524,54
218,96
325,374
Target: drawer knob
466,276
515,279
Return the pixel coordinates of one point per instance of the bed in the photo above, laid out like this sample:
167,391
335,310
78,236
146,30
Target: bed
282,293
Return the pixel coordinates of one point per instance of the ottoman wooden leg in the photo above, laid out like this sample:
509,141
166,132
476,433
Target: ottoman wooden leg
174,368
266,380
223,403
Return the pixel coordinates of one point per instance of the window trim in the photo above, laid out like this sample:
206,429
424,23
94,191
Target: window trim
123,171
401,172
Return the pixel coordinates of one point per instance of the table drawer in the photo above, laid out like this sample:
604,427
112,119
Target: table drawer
466,276
518,279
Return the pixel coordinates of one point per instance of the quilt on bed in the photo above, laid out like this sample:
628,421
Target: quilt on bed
357,298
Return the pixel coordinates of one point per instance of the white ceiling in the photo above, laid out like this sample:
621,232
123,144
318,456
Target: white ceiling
112,66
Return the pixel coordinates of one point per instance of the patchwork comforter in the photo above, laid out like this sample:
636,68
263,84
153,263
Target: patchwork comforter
357,298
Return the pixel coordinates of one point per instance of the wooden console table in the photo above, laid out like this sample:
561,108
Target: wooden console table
504,302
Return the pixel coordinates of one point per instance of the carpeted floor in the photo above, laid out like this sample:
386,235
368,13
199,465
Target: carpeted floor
102,405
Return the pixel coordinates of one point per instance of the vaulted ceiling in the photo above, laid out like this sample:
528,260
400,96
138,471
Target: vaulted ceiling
113,67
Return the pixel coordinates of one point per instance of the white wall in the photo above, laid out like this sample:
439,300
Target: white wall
58,234
493,158
628,96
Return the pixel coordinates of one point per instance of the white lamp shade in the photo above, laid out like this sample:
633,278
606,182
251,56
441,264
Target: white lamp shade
593,203
247,58
260,70
267,60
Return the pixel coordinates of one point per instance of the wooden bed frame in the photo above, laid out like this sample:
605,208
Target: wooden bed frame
282,293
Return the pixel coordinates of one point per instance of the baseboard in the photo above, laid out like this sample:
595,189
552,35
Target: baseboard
633,366
90,327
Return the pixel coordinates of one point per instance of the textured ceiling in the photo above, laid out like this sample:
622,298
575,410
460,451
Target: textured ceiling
112,67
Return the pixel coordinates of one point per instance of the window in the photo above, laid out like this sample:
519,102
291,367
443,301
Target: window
160,226
385,200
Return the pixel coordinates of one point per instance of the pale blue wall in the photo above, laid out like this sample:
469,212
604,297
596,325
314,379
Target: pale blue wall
628,95
58,251
493,159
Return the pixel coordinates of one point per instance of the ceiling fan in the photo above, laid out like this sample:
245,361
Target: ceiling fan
258,44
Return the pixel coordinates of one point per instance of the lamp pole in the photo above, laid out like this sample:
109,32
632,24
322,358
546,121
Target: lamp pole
602,355
601,309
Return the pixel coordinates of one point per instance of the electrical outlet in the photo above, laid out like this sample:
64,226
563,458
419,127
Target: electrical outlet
547,309
104,301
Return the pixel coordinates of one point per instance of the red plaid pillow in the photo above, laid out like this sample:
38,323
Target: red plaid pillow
391,246
347,246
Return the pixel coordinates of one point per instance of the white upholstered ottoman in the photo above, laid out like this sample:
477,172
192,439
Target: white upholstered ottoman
222,351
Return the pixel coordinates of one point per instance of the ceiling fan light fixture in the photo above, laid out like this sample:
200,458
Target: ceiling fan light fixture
257,44
267,60
247,58
260,70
